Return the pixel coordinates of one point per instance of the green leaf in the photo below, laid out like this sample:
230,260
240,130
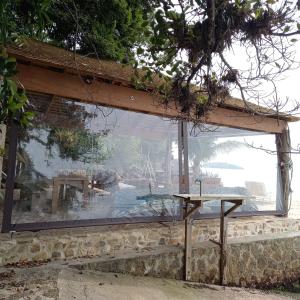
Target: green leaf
12,86
140,51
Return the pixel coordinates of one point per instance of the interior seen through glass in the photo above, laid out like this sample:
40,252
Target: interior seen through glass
233,161
84,161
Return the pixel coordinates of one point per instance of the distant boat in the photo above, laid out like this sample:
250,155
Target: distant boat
222,165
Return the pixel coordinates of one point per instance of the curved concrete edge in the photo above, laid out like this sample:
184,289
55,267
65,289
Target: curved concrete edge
74,284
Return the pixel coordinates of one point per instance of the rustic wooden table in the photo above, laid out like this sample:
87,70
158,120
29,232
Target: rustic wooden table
192,202
64,180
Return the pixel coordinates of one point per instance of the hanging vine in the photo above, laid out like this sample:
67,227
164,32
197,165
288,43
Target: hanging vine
190,41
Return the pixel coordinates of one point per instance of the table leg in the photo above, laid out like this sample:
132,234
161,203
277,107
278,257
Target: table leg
187,244
223,241
64,191
85,192
86,188
55,197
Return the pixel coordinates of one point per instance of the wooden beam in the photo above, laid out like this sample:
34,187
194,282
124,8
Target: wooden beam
39,79
283,145
243,120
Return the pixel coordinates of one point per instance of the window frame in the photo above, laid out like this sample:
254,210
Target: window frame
8,226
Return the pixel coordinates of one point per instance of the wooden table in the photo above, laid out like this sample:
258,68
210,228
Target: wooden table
192,202
70,180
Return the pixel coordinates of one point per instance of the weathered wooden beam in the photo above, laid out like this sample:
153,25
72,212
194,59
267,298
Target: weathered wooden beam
188,244
223,242
39,79
283,146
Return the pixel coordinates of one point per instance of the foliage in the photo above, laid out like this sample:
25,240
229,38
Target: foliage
125,151
28,179
107,29
78,145
13,99
104,29
191,42
101,28
203,149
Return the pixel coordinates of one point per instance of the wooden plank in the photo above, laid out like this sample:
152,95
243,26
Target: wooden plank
55,196
2,145
223,242
191,211
42,80
187,245
283,146
212,197
242,120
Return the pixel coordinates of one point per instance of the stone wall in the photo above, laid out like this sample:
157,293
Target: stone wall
102,240
251,262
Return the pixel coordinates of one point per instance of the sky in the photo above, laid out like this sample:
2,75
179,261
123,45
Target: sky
288,87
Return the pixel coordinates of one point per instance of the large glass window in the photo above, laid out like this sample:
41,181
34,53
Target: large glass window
84,161
233,161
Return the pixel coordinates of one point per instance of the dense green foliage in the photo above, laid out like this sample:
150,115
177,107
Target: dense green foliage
191,41
187,39
103,28
109,29
13,98
78,145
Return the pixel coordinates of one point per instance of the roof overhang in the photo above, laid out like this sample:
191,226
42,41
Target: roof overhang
35,56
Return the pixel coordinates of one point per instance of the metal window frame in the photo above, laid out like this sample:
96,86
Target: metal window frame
8,226
10,180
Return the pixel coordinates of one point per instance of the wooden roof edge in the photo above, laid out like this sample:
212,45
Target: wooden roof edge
240,105
47,55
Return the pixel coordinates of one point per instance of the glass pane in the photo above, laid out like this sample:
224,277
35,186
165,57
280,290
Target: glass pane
233,161
82,161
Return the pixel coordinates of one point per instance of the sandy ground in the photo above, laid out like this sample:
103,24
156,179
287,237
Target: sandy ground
58,281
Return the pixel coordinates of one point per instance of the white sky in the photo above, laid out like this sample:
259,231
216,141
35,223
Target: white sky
288,87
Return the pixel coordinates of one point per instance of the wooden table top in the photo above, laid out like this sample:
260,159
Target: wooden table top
211,197
70,178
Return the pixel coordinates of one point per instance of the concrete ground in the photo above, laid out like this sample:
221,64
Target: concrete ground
107,286
57,281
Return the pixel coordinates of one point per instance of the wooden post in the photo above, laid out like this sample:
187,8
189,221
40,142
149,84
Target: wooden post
168,155
223,241
187,244
283,153
55,195
2,145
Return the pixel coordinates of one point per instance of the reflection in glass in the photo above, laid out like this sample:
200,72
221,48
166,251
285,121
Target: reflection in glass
83,161
229,161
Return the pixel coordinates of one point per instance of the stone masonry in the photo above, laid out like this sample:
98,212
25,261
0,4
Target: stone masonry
95,241
263,261
266,263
